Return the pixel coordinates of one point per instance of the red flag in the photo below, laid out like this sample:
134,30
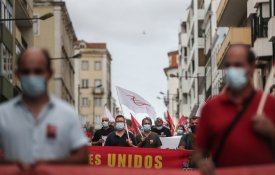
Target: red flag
171,123
135,125
182,120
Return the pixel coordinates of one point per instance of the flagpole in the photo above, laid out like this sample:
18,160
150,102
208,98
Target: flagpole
126,127
266,91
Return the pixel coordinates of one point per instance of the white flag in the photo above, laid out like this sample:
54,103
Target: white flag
109,115
135,102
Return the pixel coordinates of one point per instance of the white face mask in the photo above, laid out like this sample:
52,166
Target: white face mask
236,78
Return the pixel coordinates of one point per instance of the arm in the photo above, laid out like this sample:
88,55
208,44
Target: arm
97,141
206,166
182,142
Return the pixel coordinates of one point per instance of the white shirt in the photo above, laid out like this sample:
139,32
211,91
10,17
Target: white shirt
53,135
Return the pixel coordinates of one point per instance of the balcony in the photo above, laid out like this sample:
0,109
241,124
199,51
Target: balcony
235,35
263,48
252,4
98,91
231,13
24,9
6,89
271,31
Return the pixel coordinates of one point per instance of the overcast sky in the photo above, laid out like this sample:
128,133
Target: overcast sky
139,33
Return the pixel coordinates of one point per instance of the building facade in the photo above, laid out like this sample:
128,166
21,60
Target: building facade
192,59
94,83
171,99
57,35
250,26
15,36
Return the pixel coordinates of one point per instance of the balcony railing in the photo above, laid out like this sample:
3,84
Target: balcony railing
235,35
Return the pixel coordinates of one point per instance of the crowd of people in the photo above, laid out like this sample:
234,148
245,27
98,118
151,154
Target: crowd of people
148,137
36,127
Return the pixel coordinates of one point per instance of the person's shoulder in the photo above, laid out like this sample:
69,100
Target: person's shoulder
8,104
98,131
154,134
166,128
63,107
112,134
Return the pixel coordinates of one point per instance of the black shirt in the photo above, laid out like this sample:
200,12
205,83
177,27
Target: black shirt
166,132
115,140
101,132
187,141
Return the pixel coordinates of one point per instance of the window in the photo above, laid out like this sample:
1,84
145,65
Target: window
185,51
85,65
97,83
6,13
97,65
97,119
85,83
85,101
6,62
36,26
97,102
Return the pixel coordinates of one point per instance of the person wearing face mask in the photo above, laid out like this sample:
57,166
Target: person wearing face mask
148,139
36,127
230,133
180,130
161,130
119,137
187,140
104,131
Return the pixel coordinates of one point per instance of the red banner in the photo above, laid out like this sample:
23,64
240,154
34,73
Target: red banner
85,170
137,158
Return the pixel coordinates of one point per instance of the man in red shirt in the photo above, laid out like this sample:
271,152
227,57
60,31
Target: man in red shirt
250,140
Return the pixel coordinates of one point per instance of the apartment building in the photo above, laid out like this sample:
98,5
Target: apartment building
94,83
171,99
184,108
249,25
15,36
192,59
58,36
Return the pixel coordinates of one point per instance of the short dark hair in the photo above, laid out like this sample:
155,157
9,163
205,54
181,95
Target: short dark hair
251,57
46,54
148,119
120,116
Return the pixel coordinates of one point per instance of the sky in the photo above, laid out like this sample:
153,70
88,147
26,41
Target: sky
139,34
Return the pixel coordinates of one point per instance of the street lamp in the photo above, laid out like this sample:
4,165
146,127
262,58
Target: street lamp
43,17
77,56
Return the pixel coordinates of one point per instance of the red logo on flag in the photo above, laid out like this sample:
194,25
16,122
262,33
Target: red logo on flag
137,101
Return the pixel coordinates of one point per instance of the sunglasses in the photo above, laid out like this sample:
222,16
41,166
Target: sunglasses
37,71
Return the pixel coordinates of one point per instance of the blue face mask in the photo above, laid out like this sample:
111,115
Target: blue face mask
120,126
146,127
33,86
235,78
105,124
180,132
159,127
